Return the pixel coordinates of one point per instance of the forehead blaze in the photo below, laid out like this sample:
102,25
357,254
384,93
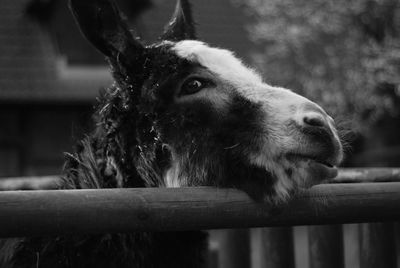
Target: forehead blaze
222,62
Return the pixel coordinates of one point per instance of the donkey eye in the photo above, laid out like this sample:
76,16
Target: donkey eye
193,85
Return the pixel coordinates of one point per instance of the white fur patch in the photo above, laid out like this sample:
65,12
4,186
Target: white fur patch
171,177
220,61
282,102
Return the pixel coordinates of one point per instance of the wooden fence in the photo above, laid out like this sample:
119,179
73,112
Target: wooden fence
51,212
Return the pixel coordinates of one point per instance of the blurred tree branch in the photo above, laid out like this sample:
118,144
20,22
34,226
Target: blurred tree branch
340,53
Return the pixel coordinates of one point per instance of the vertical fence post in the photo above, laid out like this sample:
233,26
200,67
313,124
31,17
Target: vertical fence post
326,246
377,245
235,249
277,247
397,242
212,259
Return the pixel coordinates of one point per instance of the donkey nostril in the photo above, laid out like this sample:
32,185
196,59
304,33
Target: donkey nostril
314,121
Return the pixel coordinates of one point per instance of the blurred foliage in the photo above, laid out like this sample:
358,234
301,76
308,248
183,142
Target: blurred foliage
340,53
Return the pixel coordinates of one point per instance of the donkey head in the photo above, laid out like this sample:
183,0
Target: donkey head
215,118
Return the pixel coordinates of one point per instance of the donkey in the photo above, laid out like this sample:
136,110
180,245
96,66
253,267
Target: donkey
180,113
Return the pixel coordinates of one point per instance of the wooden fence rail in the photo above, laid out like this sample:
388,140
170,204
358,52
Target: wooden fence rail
27,213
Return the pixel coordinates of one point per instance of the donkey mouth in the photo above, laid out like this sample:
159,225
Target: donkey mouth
323,170
318,165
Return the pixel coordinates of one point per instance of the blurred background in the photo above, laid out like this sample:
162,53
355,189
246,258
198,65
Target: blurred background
343,54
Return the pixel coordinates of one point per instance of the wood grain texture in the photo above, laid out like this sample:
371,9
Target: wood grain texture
24,213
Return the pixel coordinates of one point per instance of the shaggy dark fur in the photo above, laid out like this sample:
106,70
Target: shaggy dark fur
124,145
125,150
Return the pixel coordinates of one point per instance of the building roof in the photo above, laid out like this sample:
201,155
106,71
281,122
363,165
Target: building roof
27,58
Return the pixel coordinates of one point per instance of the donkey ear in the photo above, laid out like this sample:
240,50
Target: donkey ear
181,25
101,23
